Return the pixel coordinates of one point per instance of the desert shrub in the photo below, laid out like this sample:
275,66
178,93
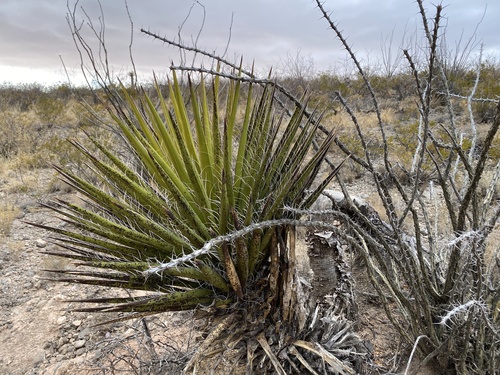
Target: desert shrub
489,90
404,141
494,152
48,109
8,213
19,97
36,123
18,133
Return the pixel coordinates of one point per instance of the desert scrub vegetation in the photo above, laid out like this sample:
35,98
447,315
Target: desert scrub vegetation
36,121
198,206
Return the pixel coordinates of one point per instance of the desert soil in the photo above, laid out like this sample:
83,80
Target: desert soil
38,333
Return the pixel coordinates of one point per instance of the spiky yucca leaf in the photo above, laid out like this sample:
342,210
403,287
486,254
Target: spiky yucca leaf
202,173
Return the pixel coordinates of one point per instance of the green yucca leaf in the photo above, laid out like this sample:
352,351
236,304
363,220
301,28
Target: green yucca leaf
305,179
119,233
195,184
202,273
137,221
120,165
139,118
223,210
312,197
230,118
242,256
134,281
96,280
214,125
134,138
80,255
203,139
147,197
227,175
176,168
175,301
160,150
168,148
122,211
298,152
261,137
87,251
108,247
123,265
188,209
208,134
186,139
281,156
243,180
114,300
140,192
212,276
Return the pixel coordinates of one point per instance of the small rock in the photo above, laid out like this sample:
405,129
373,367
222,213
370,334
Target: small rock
38,284
39,358
76,323
97,354
61,320
84,333
48,345
62,341
79,344
67,349
80,351
40,243
51,351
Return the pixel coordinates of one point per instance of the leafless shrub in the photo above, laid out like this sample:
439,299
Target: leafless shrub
436,272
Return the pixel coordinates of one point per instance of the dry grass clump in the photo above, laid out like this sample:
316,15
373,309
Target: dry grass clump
18,178
54,263
8,213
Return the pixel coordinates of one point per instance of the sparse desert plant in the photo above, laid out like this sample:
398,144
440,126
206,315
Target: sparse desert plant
8,213
48,109
20,97
17,133
34,138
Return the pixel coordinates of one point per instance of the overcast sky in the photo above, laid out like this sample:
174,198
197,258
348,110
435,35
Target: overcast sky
35,37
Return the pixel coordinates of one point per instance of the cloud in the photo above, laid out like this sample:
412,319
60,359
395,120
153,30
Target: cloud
34,33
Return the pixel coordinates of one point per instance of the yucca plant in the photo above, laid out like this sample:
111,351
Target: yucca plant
195,215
